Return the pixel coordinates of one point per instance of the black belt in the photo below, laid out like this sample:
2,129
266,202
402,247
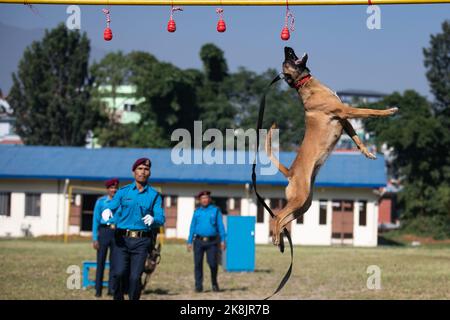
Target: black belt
134,233
197,237
108,226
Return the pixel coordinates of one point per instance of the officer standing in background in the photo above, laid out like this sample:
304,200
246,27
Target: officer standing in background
140,216
103,237
206,232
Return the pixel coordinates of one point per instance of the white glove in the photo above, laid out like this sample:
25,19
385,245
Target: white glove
107,214
148,219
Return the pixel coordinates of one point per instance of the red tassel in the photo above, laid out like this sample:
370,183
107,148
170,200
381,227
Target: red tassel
107,34
285,35
171,26
221,26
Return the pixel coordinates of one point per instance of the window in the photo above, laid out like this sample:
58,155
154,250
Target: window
260,214
129,107
362,212
5,204
33,204
322,211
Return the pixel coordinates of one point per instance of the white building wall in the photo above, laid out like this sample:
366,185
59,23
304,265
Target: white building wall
50,221
53,218
186,206
311,232
366,236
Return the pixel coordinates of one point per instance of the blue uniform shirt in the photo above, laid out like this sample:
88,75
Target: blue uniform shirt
97,219
207,222
135,205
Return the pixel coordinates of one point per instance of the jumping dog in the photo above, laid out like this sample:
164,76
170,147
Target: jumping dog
326,117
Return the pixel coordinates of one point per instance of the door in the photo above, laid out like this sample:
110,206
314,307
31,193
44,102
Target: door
87,210
240,252
342,223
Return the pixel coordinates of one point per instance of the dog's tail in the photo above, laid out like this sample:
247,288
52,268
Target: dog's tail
281,167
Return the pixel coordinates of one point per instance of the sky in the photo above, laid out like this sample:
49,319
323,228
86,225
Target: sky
343,52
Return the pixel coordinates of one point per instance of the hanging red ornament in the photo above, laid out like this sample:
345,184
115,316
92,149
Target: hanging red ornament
285,34
171,25
221,26
107,34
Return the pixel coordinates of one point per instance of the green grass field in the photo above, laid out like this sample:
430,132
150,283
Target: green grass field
36,269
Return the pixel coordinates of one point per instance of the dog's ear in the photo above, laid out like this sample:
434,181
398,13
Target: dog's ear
303,60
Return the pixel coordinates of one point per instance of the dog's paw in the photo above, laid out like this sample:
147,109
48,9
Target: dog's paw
276,239
393,110
370,155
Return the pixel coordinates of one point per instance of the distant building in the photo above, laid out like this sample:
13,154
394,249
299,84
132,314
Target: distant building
123,104
356,98
387,218
52,190
7,123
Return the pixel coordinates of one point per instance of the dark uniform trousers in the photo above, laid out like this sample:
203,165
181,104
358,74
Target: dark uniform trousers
105,241
212,249
129,262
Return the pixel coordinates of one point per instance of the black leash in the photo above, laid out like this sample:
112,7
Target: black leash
262,106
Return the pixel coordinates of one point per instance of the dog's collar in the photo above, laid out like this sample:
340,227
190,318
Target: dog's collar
300,83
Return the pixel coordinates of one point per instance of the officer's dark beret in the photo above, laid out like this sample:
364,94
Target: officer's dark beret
145,161
111,182
203,193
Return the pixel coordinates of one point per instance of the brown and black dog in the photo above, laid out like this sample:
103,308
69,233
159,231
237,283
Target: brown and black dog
326,117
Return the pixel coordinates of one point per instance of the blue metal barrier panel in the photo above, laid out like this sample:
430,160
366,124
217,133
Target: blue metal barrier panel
240,252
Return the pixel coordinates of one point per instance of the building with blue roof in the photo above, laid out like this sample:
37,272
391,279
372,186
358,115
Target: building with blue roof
52,190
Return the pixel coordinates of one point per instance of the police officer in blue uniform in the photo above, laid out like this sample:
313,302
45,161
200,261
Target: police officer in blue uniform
141,214
206,232
103,237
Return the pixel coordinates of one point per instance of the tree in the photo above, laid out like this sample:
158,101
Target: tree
419,136
418,139
52,89
214,64
113,70
215,109
437,63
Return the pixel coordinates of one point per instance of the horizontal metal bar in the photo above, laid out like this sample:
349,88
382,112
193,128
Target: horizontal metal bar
225,2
